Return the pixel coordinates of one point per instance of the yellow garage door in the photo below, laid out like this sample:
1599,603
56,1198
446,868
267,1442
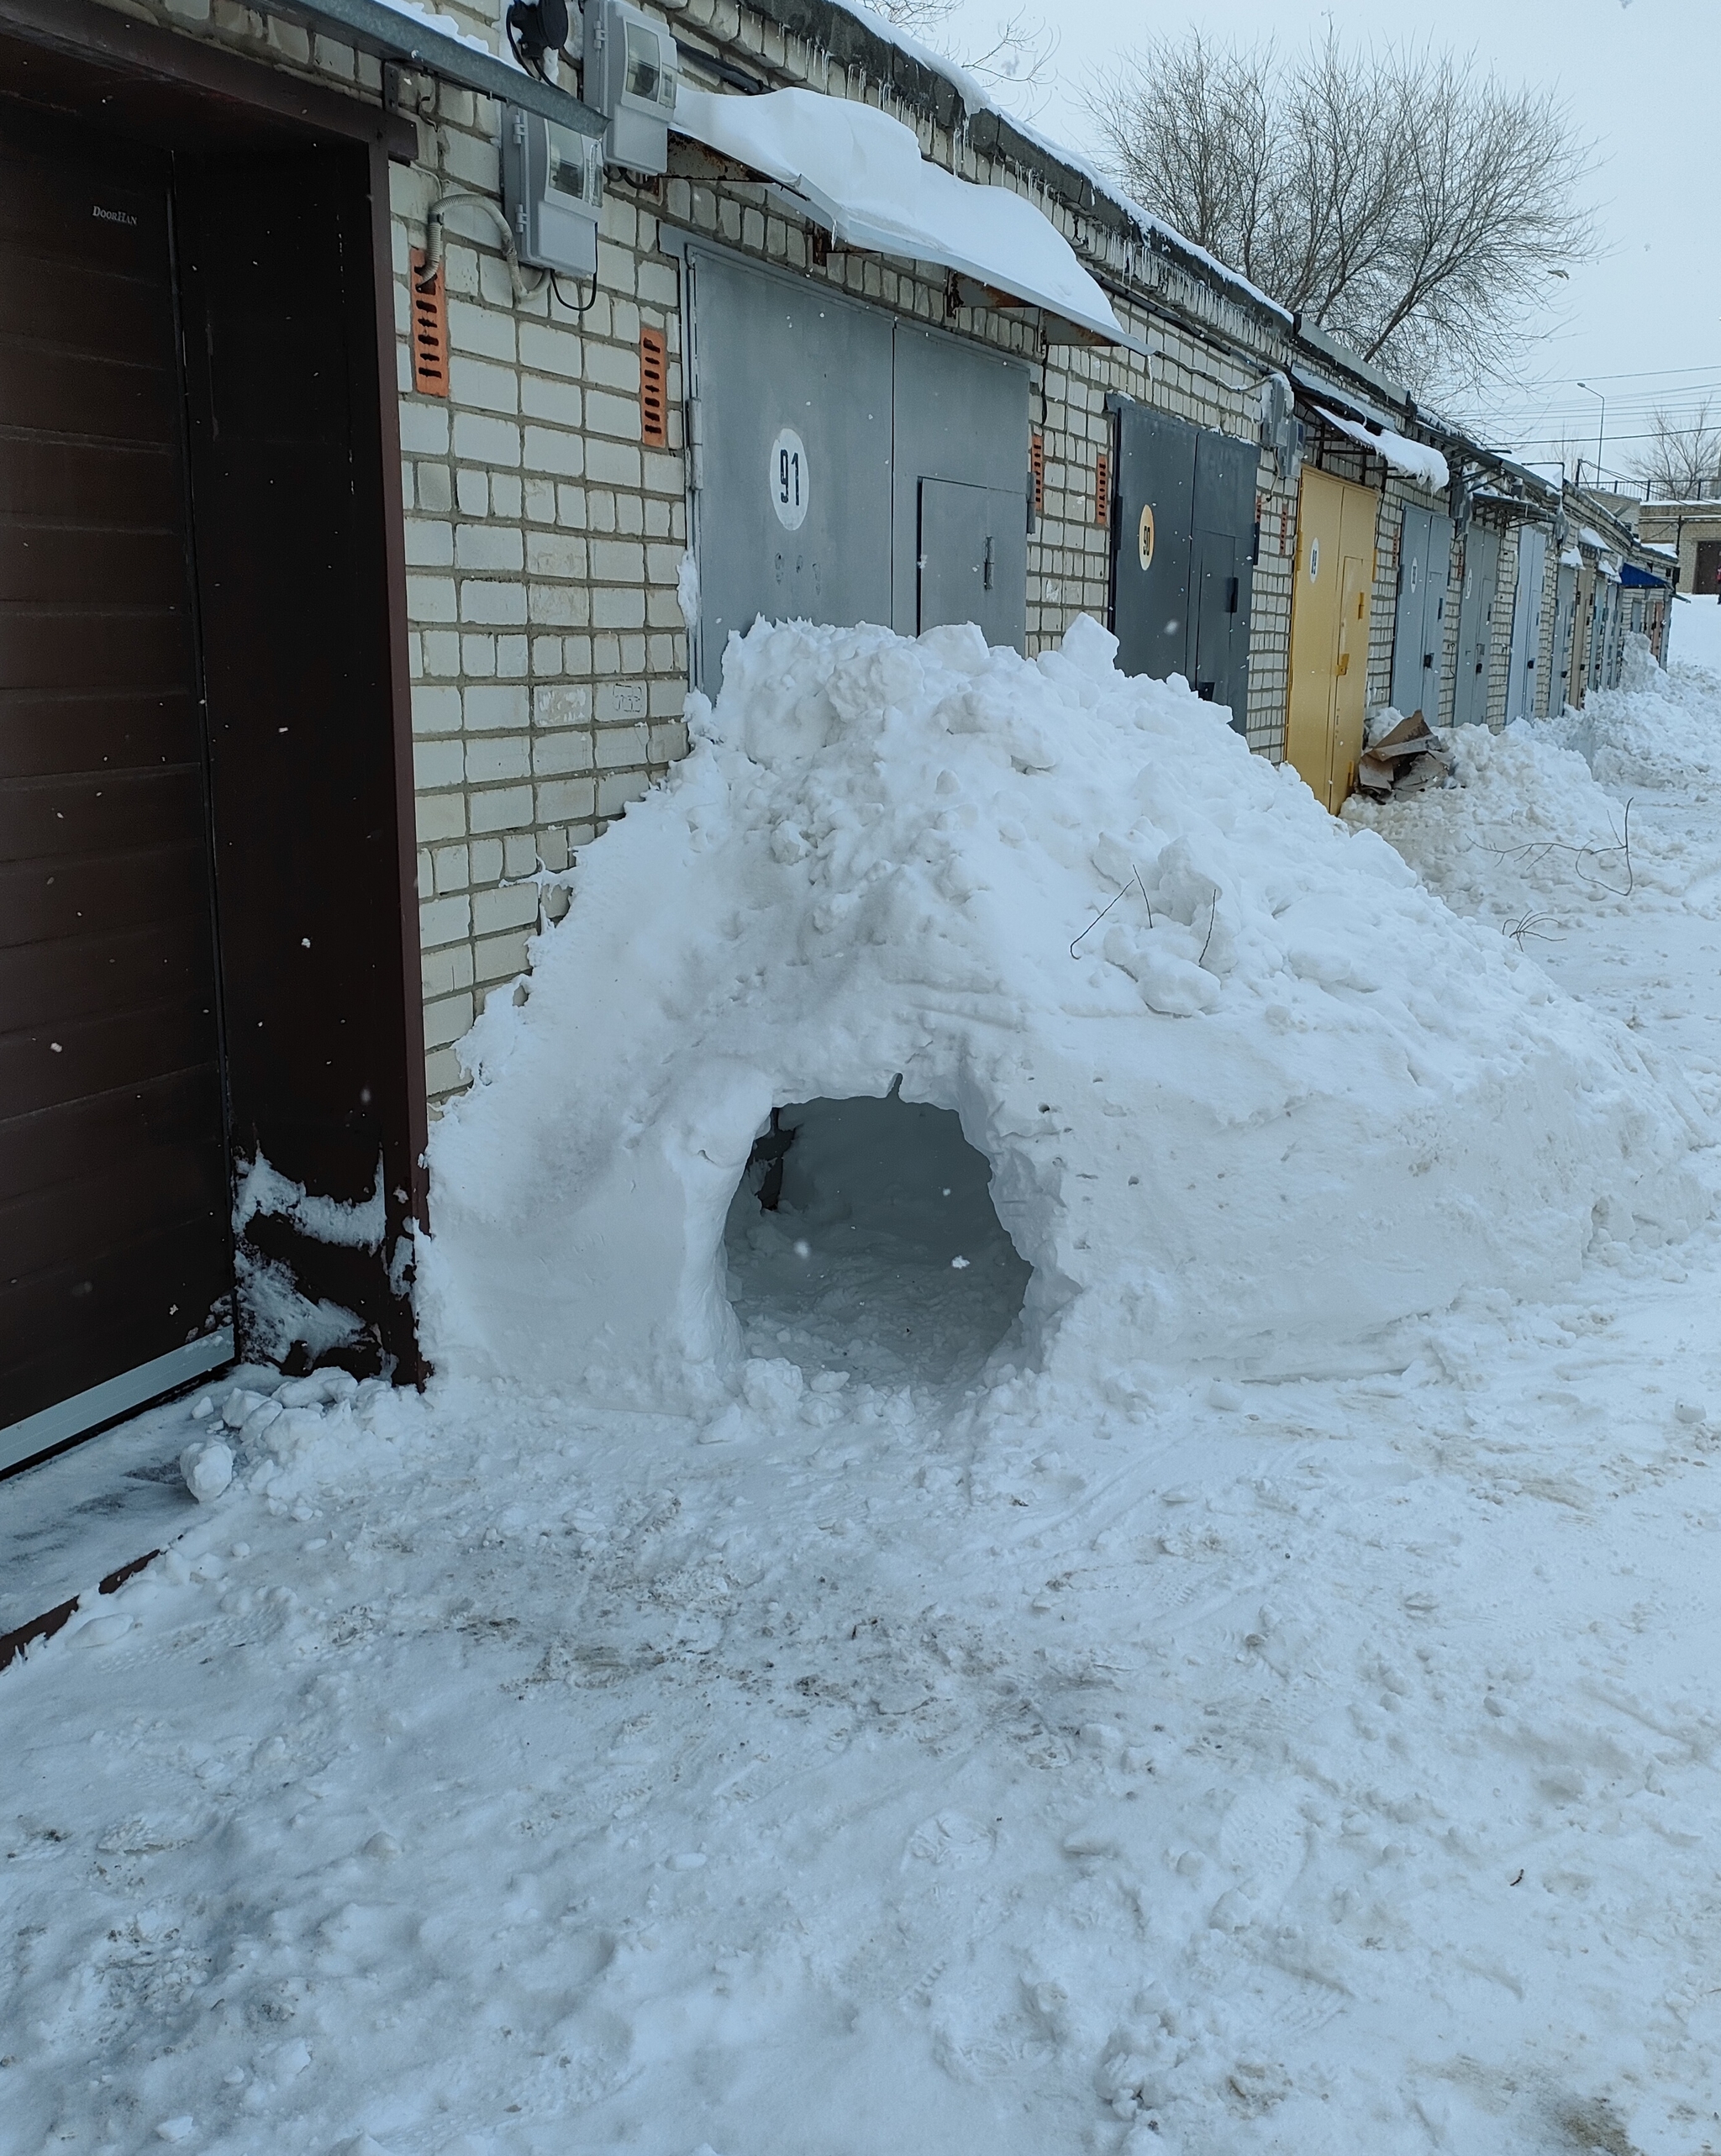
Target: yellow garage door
1329,612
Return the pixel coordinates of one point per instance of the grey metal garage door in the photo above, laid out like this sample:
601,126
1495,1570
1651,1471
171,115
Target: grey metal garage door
1420,627
1565,609
959,521
1526,622
1476,625
1185,541
792,399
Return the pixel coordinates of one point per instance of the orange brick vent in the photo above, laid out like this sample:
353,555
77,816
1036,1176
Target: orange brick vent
429,327
654,389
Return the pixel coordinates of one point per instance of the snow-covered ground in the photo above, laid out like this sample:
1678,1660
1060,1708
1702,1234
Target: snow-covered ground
895,1763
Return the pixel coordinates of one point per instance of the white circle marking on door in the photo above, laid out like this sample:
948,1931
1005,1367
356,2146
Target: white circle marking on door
789,479
1145,537
1314,560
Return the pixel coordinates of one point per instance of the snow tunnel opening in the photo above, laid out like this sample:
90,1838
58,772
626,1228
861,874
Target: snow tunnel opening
863,1238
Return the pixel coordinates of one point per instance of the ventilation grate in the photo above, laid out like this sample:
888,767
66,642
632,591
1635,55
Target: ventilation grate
1102,489
1036,464
429,327
654,389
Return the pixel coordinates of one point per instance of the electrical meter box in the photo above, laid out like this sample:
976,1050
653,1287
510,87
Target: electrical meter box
552,189
631,73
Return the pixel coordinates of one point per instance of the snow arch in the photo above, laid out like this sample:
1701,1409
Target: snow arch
1249,1094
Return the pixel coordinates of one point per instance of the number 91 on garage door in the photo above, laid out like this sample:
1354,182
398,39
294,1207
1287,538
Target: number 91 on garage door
789,479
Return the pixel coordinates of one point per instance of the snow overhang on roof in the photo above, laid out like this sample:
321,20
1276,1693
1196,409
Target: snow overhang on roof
862,175
1417,461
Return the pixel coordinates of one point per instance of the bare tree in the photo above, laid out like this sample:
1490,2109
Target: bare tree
1682,462
1017,56
1395,196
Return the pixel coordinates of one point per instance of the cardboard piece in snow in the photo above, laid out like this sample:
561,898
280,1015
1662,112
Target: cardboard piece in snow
1402,761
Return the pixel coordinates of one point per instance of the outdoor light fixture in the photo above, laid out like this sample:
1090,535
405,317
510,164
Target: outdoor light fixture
631,74
552,189
536,29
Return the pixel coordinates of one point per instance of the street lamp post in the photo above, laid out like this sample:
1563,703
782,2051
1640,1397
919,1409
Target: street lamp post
1601,428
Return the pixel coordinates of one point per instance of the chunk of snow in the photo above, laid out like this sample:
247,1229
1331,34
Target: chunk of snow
1373,1079
1418,461
864,176
206,1467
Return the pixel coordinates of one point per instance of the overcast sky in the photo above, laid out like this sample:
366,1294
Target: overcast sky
1643,77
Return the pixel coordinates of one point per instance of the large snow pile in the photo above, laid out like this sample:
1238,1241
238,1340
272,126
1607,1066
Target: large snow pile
1695,638
1647,732
1520,837
1200,1030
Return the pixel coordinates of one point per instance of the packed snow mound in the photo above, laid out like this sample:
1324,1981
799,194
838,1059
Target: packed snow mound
1521,837
1653,730
1248,1093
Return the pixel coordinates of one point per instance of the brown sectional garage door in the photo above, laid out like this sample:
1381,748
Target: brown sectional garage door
114,1250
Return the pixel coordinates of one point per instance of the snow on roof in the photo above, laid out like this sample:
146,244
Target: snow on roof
1417,461
978,99
433,19
864,176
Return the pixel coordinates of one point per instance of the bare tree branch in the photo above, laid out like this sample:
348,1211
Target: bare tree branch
1682,462
1397,196
1017,57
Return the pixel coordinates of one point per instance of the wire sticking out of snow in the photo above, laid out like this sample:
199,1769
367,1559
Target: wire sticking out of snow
874,864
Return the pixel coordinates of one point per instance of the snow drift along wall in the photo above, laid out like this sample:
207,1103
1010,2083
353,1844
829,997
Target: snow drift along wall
1248,1093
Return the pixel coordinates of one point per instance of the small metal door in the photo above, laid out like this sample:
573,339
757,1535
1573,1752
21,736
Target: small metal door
1222,546
959,419
1526,622
1329,625
791,422
1564,610
1410,658
1436,586
1156,588
966,564
1476,625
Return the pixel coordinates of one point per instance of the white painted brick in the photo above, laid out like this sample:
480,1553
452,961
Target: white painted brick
502,808
435,490
495,709
424,426
443,921
566,801
559,606
430,545
489,546
430,598
555,554
487,601
513,906
548,449
483,440
435,711
561,704
447,1019
618,788
473,491
483,330
547,349
617,561
557,755
483,383
614,464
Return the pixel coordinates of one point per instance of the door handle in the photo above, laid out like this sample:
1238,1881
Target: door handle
1344,665
986,570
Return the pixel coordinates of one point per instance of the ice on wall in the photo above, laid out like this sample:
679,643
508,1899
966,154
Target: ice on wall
1200,1030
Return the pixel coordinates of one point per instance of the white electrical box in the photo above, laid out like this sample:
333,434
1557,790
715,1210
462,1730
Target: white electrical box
632,70
552,189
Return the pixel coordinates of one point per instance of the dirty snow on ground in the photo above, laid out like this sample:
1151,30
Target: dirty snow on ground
941,1755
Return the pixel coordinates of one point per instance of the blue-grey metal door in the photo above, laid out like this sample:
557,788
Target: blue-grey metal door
790,422
1156,586
959,420
1565,611
1409,643
1222,543
1476,625
968,566
1526,622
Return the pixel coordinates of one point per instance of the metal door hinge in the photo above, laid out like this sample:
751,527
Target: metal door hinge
695,445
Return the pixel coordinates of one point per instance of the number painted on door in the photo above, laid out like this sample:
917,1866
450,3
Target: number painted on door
1314,560
789,479
1145,537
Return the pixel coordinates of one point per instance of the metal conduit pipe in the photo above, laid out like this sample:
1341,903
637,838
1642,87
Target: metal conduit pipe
523,286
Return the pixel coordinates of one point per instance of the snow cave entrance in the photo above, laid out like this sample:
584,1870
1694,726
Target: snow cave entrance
863,1238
